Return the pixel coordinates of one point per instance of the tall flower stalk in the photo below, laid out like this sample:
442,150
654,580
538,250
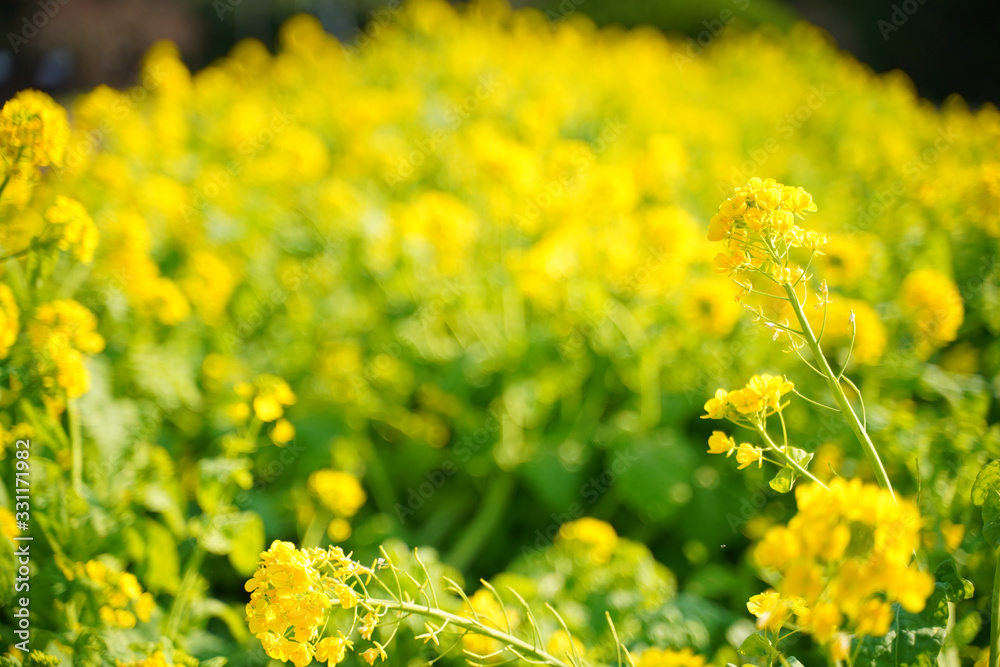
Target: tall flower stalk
758,226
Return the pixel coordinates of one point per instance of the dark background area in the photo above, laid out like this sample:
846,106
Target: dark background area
64,46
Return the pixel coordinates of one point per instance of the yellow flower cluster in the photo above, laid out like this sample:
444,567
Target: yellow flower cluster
293,592
9,320
8,524
841,562
124,601
10,436
655,657
595,538
69,225
129,265
270,395
758,226
33,134
935,307
340,492
159,659
61,333
760,397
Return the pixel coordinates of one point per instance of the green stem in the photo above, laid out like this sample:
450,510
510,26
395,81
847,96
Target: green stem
787,457
484,523
179,606
472,626
316,528
838,394
10,171
995,619
76,442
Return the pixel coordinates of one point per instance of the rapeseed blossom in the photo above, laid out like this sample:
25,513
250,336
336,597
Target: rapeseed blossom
841,562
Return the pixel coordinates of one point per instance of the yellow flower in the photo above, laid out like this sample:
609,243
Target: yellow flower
720,443
273,394
747,455
70,226
708,306
846,553
8,525
562,644
935,308
773,611
373,654
339,529
874,618
284,597
33,128
717,407
282,432
332,650
62,331
485,607
655,657
9,320
598,538
340,492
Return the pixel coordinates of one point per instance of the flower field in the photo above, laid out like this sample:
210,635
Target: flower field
496,339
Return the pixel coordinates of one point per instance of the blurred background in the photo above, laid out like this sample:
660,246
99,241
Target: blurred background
64,46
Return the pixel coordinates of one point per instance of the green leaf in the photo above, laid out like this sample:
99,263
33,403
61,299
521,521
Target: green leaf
800,456
783,481
248,542
756,646
162,564
991,518
956,588
987,481
914,640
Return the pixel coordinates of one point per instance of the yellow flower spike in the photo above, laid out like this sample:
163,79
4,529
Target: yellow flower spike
720,443
747,455
33,128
